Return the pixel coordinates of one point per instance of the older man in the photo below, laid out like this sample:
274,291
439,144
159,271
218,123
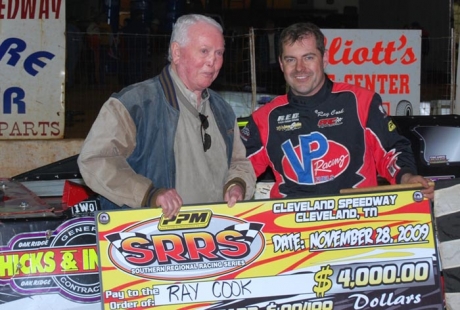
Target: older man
170,140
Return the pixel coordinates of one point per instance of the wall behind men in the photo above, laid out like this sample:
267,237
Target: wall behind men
17,157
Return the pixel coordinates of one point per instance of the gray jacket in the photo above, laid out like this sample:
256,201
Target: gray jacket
153,109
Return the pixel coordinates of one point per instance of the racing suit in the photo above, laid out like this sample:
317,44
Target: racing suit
341,137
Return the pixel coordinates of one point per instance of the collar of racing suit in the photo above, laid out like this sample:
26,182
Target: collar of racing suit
311,101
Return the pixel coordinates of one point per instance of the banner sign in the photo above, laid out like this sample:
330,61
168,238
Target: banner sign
383,60
32,66
361,251
49,261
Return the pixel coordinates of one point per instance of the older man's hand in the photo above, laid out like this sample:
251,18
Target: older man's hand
234,193
170,202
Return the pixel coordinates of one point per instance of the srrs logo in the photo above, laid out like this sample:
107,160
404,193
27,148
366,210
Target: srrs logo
225,245
186,220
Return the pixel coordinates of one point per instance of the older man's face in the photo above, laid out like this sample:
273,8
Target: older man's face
199,61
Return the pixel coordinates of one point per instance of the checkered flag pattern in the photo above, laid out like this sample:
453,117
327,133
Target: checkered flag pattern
116,239
248,231
447,217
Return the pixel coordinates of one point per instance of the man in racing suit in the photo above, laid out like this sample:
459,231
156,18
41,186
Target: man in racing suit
322,136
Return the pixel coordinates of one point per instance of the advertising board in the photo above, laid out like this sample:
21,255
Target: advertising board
32,66
50,264
353,251
361,251
384,60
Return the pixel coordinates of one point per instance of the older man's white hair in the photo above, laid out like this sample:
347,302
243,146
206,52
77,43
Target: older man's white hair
183,24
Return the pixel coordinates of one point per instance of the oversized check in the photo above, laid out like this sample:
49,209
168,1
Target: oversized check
359,251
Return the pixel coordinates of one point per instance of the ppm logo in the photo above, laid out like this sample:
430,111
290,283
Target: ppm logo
186,220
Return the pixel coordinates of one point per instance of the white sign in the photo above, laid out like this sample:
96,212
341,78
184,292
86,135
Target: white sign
32,66
385,61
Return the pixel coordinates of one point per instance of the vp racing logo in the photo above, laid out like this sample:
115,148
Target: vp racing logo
62,261
193,245
314,160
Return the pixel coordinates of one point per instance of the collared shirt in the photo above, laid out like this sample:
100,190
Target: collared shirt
189,95
210,167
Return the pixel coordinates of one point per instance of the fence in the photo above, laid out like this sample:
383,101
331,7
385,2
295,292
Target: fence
93,73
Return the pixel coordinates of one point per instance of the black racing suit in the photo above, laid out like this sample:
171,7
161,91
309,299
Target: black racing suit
339,138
